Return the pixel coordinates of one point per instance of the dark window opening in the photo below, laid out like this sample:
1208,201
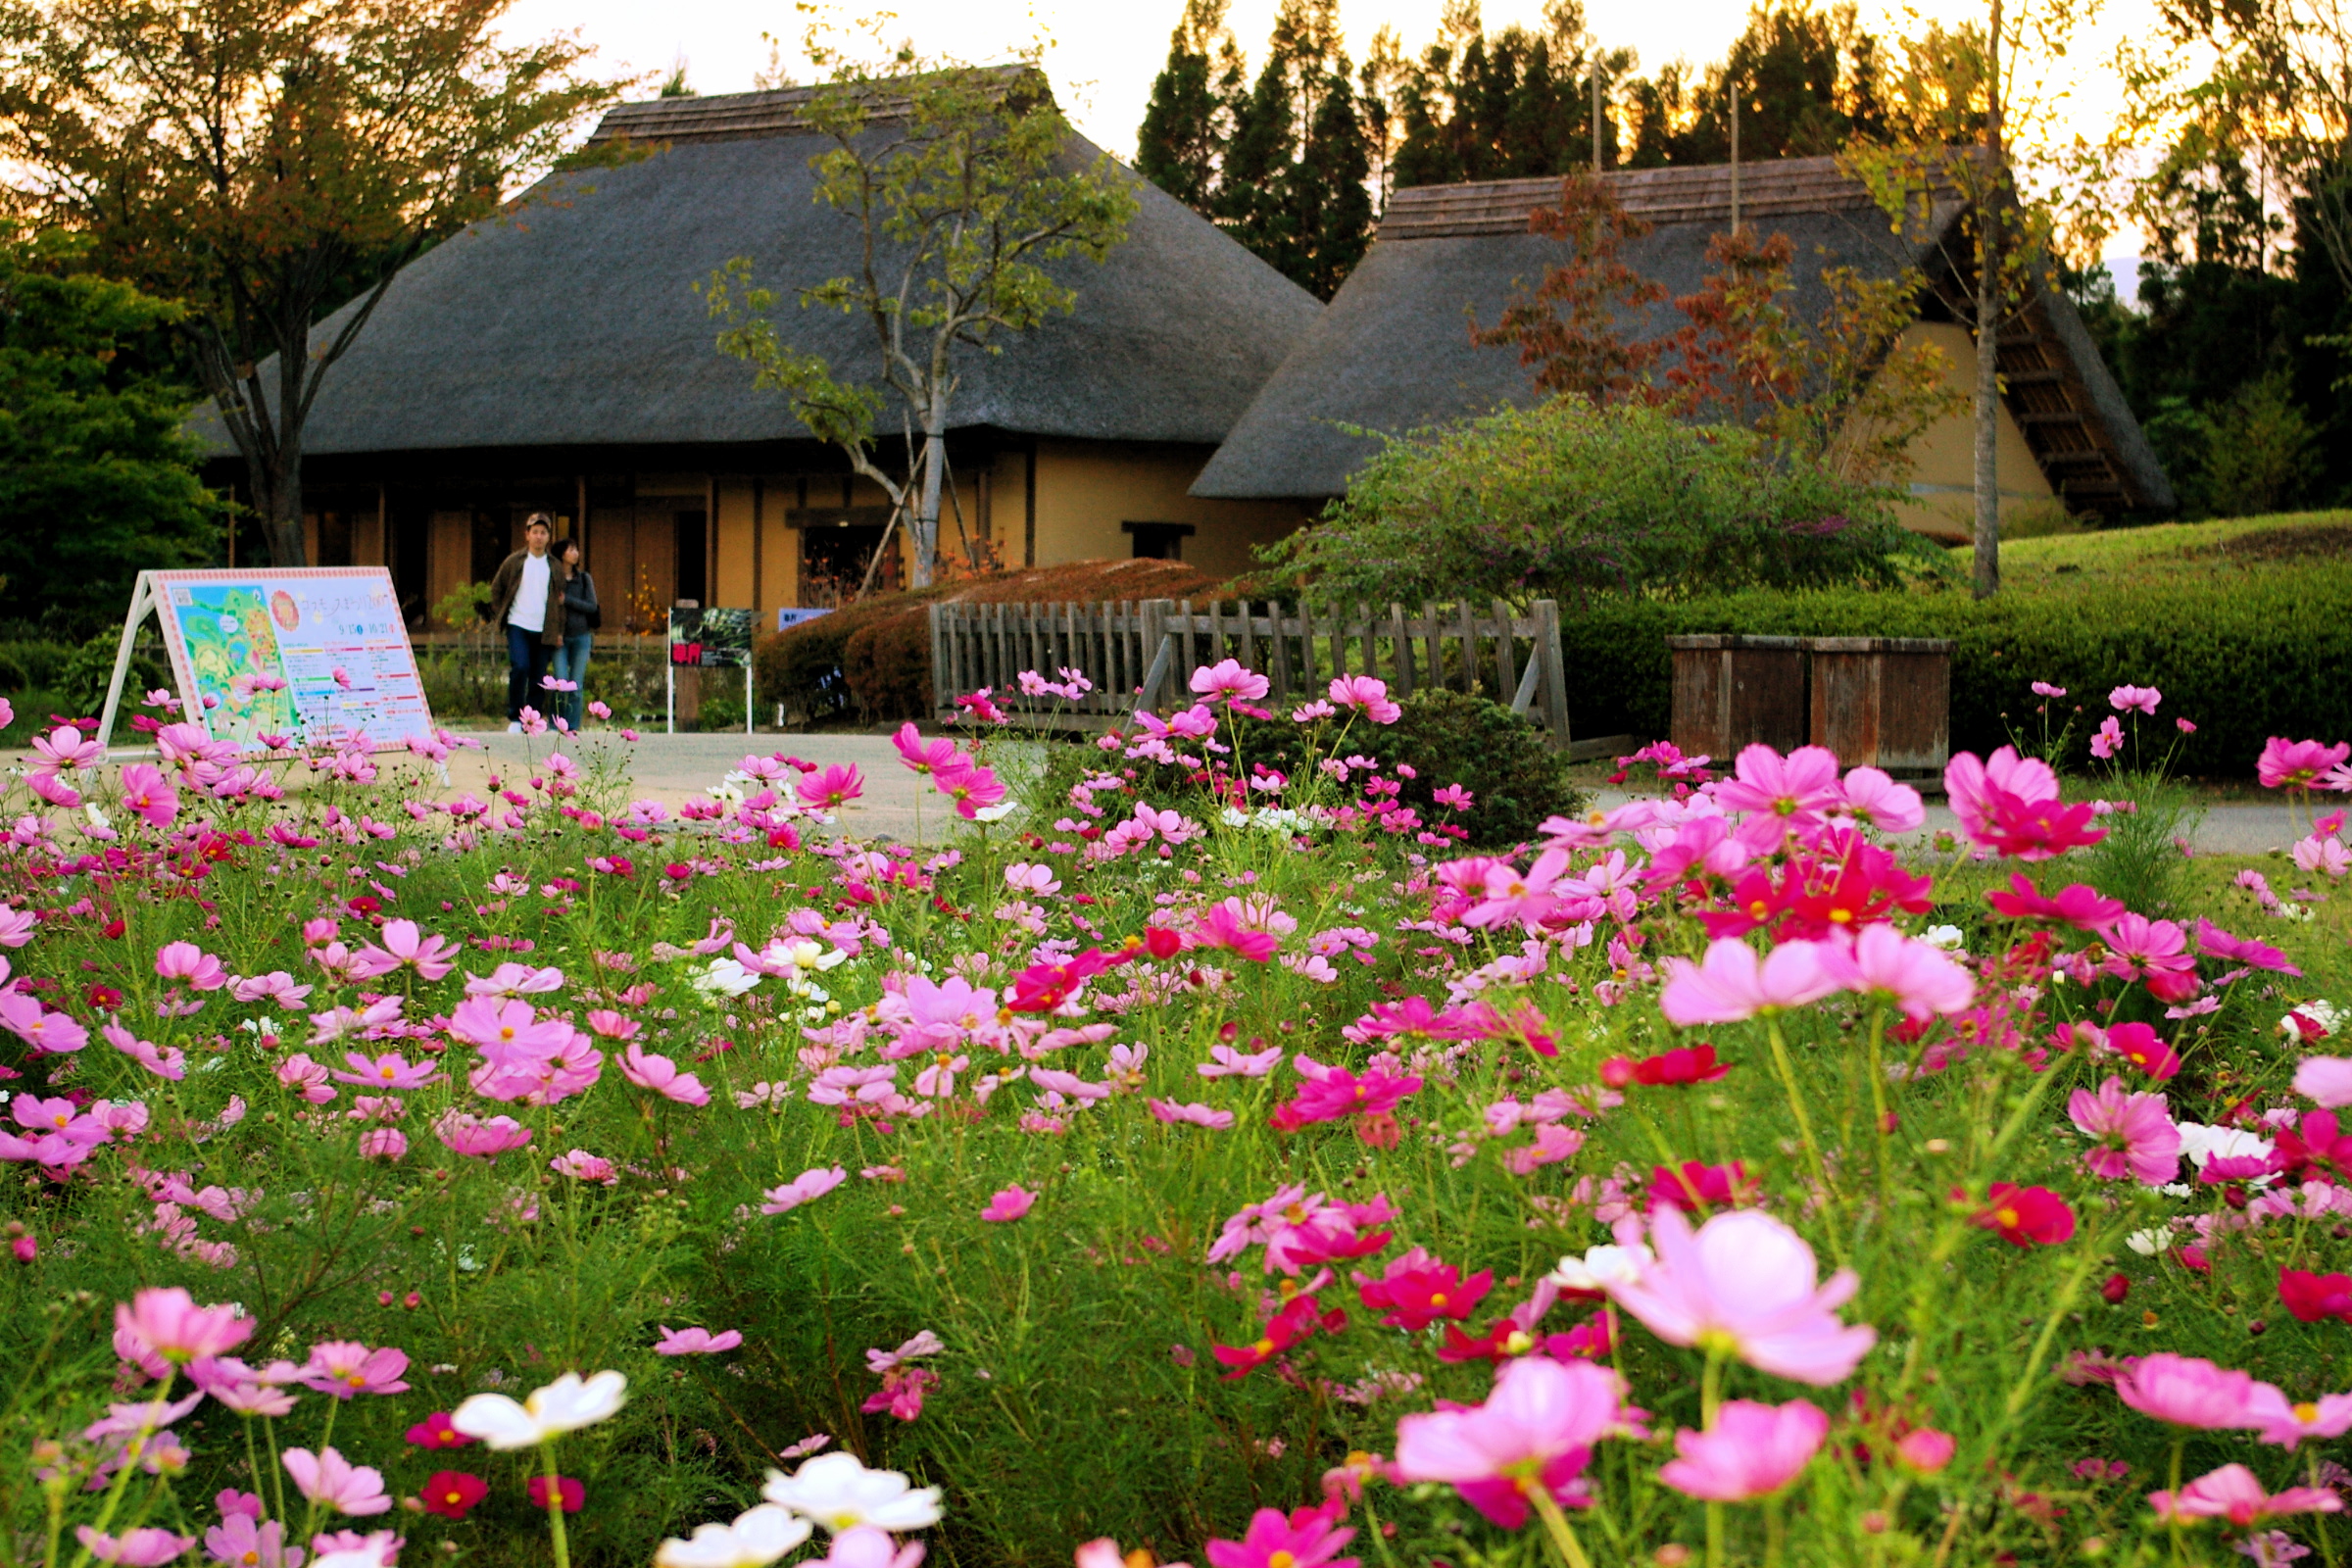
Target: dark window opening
693,557
1159,541
334,539
491,543
411,529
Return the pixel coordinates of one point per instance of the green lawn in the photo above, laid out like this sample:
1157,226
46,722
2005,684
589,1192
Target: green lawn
2123,556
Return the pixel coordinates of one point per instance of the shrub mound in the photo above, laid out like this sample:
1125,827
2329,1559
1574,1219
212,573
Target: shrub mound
2247,655
872,659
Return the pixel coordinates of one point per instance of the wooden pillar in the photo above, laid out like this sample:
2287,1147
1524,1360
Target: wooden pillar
758,556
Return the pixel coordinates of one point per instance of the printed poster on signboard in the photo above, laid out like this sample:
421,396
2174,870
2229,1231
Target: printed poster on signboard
333,636
711,639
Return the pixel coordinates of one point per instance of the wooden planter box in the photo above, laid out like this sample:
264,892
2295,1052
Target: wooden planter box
1732,692
1882,701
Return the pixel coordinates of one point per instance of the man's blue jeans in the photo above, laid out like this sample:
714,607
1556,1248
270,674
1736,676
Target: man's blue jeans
526,664
571,664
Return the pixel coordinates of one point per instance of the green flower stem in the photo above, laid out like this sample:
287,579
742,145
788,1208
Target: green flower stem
1878,1106
130,1465
1557,1526
1804,1131
2172,1521
555,1508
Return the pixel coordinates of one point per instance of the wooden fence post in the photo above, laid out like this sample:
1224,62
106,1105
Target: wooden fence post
1556,673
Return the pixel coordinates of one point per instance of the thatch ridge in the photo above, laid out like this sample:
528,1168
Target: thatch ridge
571,321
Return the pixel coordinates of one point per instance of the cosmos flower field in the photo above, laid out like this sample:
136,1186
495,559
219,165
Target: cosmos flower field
1173,1162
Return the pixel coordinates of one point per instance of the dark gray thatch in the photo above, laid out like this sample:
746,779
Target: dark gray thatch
1393,353
574,322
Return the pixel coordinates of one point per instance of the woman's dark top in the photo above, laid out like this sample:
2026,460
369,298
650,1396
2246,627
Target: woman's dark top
579,602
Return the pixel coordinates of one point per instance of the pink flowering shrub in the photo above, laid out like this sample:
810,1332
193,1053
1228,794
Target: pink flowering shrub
1210,1156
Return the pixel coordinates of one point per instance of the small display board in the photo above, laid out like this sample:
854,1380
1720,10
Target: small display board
310,653
708,639
786,620
711,639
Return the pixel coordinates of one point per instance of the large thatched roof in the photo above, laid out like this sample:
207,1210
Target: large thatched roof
573,322
1393,353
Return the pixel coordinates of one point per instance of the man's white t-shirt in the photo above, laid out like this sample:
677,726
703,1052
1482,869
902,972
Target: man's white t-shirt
529,611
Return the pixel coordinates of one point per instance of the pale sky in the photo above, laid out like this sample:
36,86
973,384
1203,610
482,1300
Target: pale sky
1103,56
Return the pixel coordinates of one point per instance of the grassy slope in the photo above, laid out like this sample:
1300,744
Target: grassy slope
2122,556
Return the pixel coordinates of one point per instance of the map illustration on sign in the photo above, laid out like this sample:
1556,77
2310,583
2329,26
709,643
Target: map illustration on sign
314,655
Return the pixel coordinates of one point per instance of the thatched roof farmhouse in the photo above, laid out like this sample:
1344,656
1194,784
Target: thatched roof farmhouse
559,360
1393,352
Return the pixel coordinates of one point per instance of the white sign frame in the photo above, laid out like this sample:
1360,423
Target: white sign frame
384,664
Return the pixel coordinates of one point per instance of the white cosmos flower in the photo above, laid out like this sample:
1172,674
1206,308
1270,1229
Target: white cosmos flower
995,813
725,977
2149,1242
1602,1267
1949,937
377,1551
754,1541
841,1493
564,1406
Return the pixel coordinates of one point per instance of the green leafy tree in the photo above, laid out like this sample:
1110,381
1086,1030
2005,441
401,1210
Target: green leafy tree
97,481
1190,117
965,193
1809,79
264,161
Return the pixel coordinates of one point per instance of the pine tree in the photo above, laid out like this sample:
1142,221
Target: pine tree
1190,115
1330,195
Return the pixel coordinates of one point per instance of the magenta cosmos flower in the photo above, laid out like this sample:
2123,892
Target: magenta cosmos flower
1796,788
2135,699
2135,1133
1229,679
695,1342
477,1139
2188,1391
1731,983
1008,1204
2287,764
1751,1450
833,788
660,1074
1536,1431
1745,1283
1305,1540
1367,693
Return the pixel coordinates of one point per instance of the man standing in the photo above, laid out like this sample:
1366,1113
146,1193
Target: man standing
526,597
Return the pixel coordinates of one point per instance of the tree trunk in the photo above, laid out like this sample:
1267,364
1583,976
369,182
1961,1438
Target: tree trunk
926,508
1987,484
281,513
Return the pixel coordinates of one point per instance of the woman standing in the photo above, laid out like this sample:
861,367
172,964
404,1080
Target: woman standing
581,618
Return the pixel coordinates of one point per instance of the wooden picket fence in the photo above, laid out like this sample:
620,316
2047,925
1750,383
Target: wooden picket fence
1142,653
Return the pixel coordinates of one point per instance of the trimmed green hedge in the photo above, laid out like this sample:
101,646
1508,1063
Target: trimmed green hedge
2245,655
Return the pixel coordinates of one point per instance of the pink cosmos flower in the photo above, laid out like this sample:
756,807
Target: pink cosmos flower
383,1143
660,1074
1536,1429
403,947
1229,680
164,1061
1034,880
466,1134
334,1482
695,1342
972,788
2325,1080
1880,962
1926,1449
1193,1113
148,794
2155,952
2107,738
1008,1204
276,985
1750,1451
1732,984
52,1033
241,1537
143,1547
2130,699
484,1022
1872,796
582,1167
1225,1061
390,1070
1221,925
833,788
807,1186
65,747
344,1369
1368,694
2188,1391
169,1323
2277,1420
2214,943
1794,789
2233,1494
1310,1538
921,757
186,961
2135,1133
2289,765
1746,1279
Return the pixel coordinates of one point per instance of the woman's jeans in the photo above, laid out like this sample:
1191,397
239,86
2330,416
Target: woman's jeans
571,664
527,662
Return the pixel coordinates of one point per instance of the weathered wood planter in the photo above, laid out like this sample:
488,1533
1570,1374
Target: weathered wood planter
1882,701
1732,692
